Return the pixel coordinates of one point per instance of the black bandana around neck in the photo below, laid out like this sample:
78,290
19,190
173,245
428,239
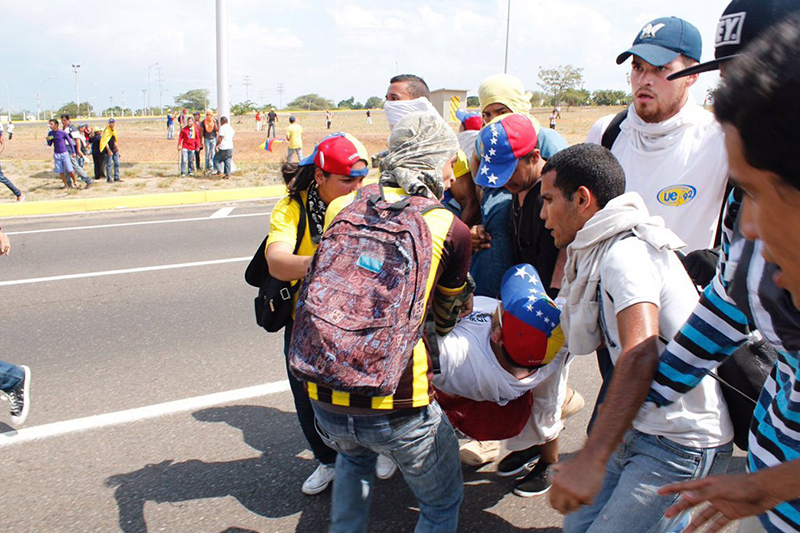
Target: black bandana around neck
316,213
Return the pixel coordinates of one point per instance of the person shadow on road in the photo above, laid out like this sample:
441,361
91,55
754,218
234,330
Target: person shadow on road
269,485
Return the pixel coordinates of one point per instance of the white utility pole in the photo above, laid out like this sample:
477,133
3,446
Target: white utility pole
223,100
75,69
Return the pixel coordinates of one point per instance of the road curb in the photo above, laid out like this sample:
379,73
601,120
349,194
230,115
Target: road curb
109,203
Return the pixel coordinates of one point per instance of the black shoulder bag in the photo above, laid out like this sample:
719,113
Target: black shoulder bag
273,305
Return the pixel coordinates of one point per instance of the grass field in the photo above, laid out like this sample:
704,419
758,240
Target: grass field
149,162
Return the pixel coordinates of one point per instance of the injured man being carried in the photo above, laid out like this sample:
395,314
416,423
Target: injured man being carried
501,354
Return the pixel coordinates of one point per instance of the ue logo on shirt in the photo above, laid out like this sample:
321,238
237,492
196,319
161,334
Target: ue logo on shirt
676,195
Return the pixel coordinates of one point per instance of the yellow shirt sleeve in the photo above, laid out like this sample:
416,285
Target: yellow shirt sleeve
283,225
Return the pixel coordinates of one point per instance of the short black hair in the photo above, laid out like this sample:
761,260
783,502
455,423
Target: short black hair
223,120
587,165
759,97
65,116
416,85
53,121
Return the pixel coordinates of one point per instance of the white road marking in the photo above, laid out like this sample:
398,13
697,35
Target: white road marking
124,224
141,413
123,271
222,212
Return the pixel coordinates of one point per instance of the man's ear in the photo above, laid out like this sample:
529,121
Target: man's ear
691,80
585,198
536,155
318,175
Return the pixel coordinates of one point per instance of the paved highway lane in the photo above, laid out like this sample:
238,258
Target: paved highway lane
110,342
159,405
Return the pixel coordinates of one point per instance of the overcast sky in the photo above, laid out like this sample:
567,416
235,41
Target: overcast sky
336,48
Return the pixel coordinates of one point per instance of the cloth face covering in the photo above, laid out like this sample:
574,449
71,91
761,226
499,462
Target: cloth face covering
397,109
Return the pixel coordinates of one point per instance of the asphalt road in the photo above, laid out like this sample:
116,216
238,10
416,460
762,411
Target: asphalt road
159,405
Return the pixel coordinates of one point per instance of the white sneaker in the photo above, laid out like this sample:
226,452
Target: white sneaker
319,480
385,468
478,453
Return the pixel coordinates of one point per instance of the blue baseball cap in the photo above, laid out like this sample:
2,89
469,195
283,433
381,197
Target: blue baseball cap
501,143
662,40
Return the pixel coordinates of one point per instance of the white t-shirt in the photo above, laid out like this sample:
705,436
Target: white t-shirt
681,175
470,368
227,133
633,272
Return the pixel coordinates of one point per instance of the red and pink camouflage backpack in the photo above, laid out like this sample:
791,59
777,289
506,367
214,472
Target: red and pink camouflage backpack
361,307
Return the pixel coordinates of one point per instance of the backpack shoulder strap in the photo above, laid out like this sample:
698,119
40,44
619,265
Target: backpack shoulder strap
613,129
301,224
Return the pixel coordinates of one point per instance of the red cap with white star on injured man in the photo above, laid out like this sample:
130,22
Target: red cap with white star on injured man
501,143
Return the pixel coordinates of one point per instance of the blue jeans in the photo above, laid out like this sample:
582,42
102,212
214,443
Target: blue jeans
223,161
10,376
270,130
187,157
5,181
628,500
423,445
488,266
112,161
210,146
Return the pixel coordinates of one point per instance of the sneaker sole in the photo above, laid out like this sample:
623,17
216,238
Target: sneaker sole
26,398
529,494
527,466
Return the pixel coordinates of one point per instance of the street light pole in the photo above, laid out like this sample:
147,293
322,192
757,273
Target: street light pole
148,86
223,100
508,25
144,100
75,69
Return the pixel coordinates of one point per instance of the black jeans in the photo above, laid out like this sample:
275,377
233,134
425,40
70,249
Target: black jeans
305,413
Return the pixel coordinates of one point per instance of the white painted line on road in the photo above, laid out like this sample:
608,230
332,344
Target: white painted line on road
123,271
124,224
223,212
141,413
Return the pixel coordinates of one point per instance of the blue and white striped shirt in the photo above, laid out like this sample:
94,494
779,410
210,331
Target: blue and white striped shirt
742,296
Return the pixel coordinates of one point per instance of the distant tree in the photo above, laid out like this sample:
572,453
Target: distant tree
346,104
243,108
609,97
311,102
374,102
194,100
473,101
116,111
575,97
72,110
556,81
539,99
350,103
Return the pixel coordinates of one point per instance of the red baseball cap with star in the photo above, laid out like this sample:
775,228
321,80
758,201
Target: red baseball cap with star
501,143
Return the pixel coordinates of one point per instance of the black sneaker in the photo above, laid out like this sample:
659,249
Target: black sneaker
536,482
515,462
20,398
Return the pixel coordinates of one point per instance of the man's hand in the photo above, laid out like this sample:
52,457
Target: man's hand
481,240
5,244
576,483
730,497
